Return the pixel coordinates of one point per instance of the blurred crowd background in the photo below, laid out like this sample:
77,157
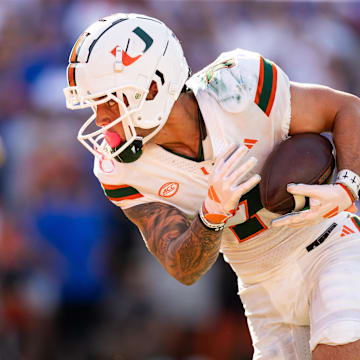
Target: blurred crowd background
76,281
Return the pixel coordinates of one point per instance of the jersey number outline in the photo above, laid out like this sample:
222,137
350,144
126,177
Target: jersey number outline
254,225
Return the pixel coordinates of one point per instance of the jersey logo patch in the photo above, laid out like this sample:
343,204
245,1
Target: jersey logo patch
249,143
169,189
225,64
346,231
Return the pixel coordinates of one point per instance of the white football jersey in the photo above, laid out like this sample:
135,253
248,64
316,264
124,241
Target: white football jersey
244,99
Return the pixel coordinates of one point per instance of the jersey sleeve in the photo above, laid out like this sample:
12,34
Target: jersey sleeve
273,97
267,87
251,92
126,196
231,79
116,188
123,195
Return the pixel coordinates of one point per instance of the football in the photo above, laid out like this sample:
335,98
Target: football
303,158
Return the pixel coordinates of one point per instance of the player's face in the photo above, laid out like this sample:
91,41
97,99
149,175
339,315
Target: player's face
108,112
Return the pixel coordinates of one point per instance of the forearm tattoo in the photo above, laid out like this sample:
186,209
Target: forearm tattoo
184,247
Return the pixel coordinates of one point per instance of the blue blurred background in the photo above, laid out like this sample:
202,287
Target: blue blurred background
76,281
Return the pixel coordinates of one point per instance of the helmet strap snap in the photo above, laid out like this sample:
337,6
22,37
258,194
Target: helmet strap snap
118,64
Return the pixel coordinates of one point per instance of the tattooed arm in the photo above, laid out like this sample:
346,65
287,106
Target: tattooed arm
185,248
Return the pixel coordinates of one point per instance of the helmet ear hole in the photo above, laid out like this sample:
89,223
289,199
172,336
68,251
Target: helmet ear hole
125,100
153,91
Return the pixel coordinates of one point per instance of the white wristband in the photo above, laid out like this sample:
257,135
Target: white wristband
351,180
209,225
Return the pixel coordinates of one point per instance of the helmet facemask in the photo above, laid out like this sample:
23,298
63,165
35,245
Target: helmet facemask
93,140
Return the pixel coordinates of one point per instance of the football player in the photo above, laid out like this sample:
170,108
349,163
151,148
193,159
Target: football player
180,156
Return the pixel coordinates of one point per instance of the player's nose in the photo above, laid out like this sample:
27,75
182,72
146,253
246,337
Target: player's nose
103,115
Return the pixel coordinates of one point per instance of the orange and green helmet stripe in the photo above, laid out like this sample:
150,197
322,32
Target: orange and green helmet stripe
73,59
266,89
120,192
71,74
76,48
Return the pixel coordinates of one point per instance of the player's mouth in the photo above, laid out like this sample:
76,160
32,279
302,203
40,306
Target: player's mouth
113,138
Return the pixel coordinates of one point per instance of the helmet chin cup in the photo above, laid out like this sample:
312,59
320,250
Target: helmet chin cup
131,153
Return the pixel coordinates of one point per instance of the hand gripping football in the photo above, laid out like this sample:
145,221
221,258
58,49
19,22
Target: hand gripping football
303,158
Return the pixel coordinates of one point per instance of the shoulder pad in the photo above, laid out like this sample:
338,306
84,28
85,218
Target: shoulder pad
232,79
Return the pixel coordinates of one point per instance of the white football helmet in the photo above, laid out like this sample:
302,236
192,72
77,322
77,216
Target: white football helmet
117,58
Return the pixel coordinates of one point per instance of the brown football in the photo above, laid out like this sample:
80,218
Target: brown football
303,158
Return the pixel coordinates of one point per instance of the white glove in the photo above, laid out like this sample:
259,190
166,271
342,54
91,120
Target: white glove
225,186
326,201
